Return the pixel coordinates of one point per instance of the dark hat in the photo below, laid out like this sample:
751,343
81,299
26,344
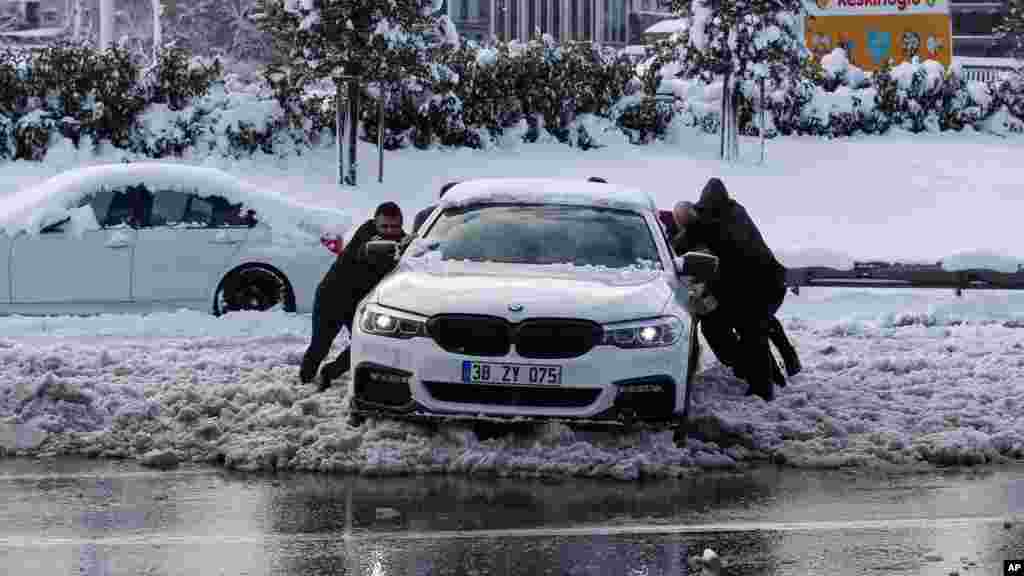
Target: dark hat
714,198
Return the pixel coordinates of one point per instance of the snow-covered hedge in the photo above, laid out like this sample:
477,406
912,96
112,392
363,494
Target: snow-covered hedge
94,96
834,99
478,95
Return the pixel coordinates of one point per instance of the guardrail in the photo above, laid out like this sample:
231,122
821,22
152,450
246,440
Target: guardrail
983,73
899,276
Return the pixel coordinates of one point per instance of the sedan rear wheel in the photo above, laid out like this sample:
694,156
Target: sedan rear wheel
253,287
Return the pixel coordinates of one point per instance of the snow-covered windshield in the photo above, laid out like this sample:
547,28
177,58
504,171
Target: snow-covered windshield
544,234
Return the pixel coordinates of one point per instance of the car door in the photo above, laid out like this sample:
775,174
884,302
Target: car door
93,266
187,240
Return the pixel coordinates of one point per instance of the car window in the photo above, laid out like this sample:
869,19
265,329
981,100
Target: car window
168,207
546,234
100,202
198,211
226,214
117,207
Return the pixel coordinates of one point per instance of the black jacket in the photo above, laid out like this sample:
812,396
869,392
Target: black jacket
351,278
421,217
727,230
346,260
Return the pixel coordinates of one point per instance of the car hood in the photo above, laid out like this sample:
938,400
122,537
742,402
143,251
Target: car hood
493,289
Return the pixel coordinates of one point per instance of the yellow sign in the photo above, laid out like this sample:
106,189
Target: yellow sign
874,31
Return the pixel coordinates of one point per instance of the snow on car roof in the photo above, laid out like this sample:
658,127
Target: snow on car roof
33,208
546,191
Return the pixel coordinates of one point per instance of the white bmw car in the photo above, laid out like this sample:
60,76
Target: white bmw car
530,298
150,235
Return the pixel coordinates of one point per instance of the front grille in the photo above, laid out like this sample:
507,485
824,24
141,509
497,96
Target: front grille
382,385
535,397
556,338
470,334
477,335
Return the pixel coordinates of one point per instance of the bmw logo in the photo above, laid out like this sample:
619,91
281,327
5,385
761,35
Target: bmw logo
515,307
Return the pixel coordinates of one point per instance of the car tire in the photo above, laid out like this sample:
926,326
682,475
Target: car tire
253,287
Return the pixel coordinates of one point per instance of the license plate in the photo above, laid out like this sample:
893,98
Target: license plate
495,373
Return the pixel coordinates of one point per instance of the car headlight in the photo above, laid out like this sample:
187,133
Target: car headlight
385,322
653,333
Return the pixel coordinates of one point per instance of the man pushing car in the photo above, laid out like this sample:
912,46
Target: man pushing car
750,288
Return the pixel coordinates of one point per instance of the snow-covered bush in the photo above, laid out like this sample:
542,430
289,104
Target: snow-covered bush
474,94
968,102
177,78
1007,90
32,135
645,120
63,76
14,85
7,147
119,98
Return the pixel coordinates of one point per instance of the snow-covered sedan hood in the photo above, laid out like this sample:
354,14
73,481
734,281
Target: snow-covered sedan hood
492,289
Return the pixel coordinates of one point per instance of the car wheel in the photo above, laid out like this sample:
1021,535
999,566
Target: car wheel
253,287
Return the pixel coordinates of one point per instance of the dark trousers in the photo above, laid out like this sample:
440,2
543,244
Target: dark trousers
739,337
327,323
755,323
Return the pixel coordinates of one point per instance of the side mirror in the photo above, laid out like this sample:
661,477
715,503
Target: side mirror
380,251
701,266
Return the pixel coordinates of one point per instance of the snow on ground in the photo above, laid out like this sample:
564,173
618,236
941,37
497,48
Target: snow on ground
895,378
920,197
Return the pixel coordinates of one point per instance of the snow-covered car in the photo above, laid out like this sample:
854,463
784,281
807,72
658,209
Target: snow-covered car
151,235
531,298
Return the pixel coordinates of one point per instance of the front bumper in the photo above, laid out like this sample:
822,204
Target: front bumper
417,377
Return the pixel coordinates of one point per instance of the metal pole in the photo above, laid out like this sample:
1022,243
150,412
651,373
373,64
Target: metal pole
764,113
724,119
734,126
340,130
353,129
380,136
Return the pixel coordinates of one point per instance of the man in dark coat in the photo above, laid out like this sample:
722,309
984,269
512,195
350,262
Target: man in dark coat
750,288
422,215
348,281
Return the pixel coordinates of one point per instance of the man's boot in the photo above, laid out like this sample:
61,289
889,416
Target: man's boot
777,375
764,389
789,355
334,370
307,372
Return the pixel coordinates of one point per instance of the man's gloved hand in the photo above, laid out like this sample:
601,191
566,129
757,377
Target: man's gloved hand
701,301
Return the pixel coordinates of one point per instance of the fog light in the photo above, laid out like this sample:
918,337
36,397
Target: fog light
387,377
641,388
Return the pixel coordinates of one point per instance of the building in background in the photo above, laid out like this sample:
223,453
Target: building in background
973,24
30,14
612,22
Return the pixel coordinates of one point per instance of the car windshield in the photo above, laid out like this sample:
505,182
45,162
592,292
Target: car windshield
545,234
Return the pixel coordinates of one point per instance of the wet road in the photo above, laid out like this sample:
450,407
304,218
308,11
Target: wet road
92,517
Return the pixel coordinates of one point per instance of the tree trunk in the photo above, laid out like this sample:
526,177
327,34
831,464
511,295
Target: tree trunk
157,32
734,122
106,23
724,120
